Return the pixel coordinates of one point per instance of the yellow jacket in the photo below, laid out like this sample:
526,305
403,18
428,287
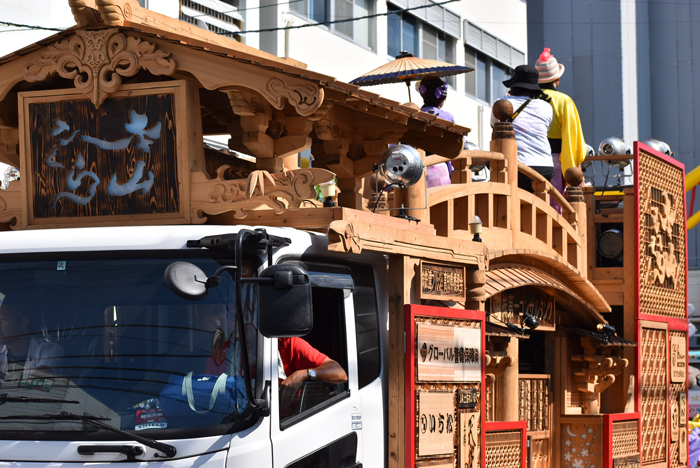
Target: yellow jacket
566,126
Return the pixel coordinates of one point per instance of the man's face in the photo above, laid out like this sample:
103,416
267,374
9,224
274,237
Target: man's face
11,325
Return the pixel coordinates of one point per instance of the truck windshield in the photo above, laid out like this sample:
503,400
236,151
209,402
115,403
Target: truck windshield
106,337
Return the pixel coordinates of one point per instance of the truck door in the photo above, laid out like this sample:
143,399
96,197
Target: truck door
316,425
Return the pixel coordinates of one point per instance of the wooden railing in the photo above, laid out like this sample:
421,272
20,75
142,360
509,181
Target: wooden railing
513,219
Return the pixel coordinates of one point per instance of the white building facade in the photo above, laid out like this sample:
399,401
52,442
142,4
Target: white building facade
487,35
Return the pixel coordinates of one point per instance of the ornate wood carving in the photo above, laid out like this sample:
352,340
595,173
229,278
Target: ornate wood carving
662,238
266,135
97,60
9,146
534,402
496,365
10,206
598,374
539,453
654,395
662,260
261,190
305,97
469,446
581,446
101,12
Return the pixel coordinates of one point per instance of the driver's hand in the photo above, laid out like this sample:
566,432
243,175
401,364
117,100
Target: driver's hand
295,380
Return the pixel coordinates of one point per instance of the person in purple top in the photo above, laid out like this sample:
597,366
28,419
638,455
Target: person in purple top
434,92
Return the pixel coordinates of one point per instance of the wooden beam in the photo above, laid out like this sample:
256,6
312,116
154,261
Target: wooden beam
401,278
344,236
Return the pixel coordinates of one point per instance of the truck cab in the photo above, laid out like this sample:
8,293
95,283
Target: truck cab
116,343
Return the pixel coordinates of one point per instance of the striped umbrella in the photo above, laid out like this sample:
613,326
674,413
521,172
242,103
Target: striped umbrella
407,68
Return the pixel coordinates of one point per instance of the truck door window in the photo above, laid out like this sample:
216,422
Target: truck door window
325,343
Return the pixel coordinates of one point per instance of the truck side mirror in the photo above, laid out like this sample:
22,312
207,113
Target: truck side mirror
285,303
186,280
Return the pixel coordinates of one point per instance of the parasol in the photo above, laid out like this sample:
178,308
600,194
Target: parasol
407,68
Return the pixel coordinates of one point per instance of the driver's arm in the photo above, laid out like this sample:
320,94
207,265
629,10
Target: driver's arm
329,371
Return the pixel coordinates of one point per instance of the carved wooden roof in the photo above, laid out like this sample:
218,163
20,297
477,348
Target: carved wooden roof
343,94
504,277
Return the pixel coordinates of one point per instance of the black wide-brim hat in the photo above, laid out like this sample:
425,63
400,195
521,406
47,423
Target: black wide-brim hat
525,76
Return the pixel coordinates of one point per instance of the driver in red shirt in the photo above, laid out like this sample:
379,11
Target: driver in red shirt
301,362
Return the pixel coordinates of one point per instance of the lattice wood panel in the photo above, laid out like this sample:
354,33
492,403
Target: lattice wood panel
625,438
676,417
662,247
504,449
534,402
654,400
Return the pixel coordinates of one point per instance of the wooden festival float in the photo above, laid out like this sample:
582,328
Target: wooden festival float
469,383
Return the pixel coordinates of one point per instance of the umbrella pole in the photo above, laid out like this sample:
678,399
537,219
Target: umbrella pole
408,85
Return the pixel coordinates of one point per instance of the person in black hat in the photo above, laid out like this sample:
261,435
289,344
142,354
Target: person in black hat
531,121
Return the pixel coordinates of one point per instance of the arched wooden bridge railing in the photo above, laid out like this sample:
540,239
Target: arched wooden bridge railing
513,219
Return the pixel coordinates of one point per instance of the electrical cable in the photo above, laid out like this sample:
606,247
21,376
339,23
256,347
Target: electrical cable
29,26
252,8
381,192
346,20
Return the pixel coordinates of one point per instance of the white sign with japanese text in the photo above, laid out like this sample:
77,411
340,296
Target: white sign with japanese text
447,353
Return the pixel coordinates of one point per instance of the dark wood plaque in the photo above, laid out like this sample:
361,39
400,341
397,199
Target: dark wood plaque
513,304
90,165
442,282
467,398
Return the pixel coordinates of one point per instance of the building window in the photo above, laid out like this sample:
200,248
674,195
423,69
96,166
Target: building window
404,31
360,31
486,81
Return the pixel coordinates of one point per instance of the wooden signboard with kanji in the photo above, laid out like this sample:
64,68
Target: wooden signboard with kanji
118,163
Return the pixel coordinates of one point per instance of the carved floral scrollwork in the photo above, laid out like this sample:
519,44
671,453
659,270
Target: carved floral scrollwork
306,98
10,208
97,60
662,263
261,190
351,241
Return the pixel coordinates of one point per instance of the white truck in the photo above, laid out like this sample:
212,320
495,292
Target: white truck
98,295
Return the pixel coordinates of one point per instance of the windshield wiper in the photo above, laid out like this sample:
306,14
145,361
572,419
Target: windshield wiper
167,449
5,398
